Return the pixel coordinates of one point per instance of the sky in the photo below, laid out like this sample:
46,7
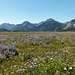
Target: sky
34,11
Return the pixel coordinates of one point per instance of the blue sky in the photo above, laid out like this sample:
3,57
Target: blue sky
34,11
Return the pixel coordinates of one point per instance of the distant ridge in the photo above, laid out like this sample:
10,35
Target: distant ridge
7,26
25,26
3,30
48,25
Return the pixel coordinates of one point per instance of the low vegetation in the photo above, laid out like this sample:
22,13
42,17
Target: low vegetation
37,53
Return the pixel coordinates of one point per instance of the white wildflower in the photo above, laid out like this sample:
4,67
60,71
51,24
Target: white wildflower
70,68
51,58
65,68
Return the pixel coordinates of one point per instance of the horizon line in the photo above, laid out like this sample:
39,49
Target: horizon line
33,22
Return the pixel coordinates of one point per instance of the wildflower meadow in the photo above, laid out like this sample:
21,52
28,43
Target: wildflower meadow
37,53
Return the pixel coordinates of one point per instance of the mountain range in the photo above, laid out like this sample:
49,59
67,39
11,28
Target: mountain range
48,25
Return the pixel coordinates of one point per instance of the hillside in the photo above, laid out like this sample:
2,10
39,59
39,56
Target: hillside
48,25
3,30
25,26
7,26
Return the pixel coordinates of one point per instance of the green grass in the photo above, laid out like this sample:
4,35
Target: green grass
37,53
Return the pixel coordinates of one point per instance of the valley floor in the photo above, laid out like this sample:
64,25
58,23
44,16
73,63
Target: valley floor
37,53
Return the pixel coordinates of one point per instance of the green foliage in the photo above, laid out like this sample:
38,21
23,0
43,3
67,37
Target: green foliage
42,53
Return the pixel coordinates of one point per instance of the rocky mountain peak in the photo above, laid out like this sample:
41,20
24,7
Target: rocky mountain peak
50,20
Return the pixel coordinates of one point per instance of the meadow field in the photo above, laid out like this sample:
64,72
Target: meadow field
37,53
